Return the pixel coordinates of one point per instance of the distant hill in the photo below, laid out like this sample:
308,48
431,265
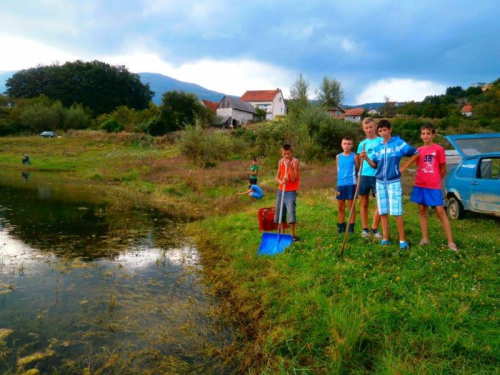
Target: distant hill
366,105
160,84
4,76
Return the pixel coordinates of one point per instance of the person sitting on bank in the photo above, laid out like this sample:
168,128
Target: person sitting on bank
254,192
26,159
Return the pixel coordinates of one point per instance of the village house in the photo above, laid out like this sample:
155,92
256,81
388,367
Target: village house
467,110
232,112
353,115
373,112
337,112
272,101
212,106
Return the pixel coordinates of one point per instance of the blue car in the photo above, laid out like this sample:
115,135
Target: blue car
474,182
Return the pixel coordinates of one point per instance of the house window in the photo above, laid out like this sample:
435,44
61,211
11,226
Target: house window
280,99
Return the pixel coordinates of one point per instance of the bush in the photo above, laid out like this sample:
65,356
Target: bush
408,129
207,147
112,126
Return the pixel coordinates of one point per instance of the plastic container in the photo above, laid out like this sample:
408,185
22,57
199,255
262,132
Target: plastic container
266,220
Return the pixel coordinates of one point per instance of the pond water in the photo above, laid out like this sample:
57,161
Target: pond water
86,288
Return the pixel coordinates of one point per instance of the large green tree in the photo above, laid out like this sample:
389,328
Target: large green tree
96,85
330,93
177,110
299,94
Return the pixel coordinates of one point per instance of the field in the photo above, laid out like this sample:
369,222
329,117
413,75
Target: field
380,310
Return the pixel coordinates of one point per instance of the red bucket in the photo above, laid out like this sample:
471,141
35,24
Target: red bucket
266,220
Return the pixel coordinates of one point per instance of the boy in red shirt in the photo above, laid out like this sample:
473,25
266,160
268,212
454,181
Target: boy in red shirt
431,162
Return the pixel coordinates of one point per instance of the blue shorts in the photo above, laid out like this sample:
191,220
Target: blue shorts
257,196
288,207
346,193
368,183
427,197
390,198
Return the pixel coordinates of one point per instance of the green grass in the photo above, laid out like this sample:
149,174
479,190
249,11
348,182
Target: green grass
379,310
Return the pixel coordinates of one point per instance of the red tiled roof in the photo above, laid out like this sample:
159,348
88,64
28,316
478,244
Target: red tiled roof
259,96
467,108
354,112
210,105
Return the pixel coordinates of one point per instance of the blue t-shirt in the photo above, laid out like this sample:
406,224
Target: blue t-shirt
256,191
346,169
370,145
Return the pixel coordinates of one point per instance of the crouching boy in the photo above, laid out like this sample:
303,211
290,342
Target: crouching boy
254,192
386,159
347,166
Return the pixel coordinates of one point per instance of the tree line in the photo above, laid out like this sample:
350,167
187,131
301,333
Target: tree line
81,95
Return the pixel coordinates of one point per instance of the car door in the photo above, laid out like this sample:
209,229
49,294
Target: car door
485,188
466,178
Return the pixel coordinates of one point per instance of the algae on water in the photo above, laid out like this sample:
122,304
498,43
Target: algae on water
4,333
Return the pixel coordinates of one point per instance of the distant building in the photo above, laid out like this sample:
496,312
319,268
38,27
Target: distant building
272,101
337,112
373,112
354,115
212,106
232,112
477,84
467,110
487,86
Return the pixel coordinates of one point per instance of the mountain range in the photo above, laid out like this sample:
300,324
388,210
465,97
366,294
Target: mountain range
160,83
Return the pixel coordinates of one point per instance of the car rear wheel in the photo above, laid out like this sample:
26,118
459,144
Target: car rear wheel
455,209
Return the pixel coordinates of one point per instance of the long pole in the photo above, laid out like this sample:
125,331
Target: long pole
353,207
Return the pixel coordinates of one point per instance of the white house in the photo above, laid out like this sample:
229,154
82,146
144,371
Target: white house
373,112
353,115
232,112
272,101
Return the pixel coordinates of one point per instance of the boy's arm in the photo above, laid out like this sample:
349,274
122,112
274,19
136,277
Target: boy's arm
245,192
408,163
372,163
442,169
294,169
357,162
277,178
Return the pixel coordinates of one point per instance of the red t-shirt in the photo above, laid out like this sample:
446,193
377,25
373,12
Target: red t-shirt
428,173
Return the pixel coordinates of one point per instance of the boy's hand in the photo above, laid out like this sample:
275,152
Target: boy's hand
362,154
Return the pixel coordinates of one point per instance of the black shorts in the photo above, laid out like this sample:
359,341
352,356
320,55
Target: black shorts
367,183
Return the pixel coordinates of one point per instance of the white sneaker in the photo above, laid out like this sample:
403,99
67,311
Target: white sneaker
365,234
377,235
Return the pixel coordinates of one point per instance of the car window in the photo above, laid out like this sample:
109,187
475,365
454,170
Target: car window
479,146
490,168
468,169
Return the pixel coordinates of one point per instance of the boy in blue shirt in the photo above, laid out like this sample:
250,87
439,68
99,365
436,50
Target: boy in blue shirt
347,167
254,192
386,160
368,181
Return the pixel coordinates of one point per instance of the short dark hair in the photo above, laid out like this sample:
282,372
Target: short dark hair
254,159
428,126
287,147
384,124
347,138
251,182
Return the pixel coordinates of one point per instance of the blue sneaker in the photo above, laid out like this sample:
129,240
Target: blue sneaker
385,242
404,246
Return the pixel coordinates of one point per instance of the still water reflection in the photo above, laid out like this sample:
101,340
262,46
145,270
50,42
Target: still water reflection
85,288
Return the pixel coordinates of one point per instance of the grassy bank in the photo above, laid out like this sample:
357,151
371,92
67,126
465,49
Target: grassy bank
380,310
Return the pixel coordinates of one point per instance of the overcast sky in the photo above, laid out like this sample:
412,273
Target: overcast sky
403,50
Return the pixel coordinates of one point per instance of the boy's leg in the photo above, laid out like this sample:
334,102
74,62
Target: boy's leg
341,210
277,209
365,200
385,226
422,216
401,227
290,205
376,219
441,213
